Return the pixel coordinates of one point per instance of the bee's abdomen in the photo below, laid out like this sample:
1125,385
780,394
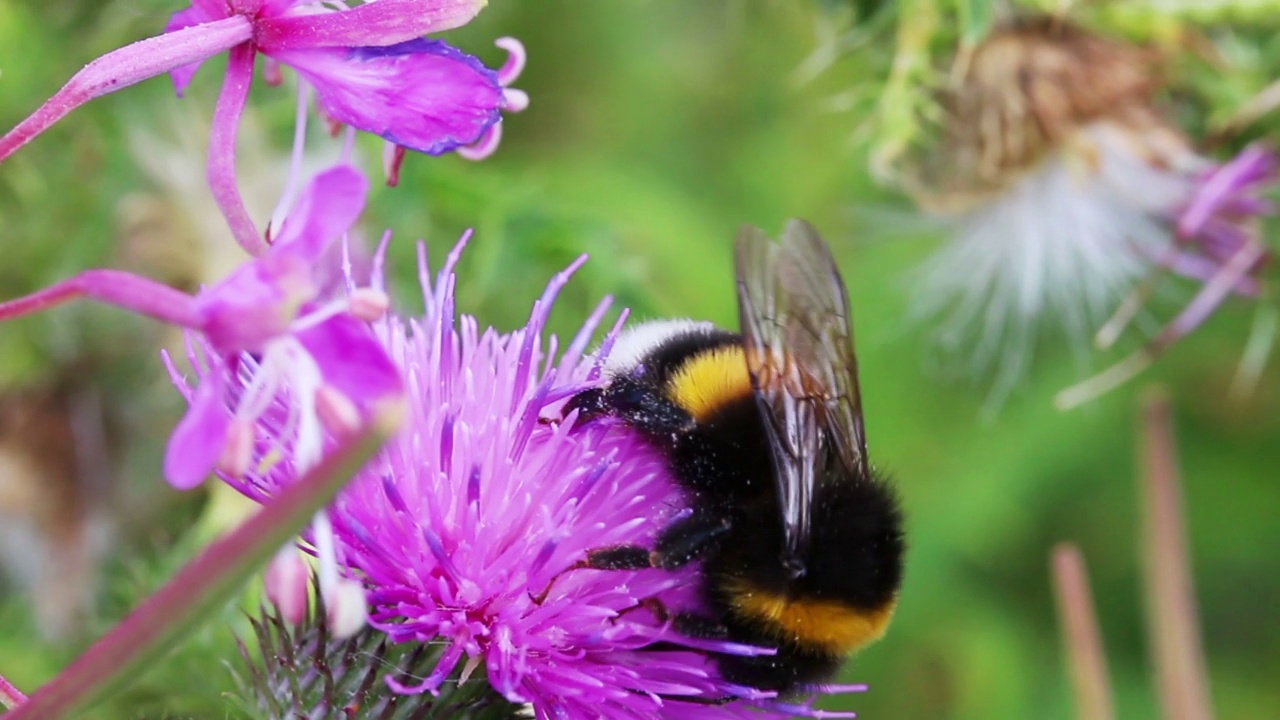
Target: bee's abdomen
792,667
827,625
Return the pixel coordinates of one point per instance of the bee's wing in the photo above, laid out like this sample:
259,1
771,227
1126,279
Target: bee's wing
794,316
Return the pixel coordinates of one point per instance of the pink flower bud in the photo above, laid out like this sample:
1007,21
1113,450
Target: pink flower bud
286,582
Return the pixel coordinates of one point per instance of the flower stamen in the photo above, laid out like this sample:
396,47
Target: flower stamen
369,304
337,411
237,453
286,584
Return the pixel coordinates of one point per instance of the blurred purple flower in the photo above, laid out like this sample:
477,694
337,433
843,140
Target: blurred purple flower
268,326
466,529
1220,220
421,94
369,65
1218,243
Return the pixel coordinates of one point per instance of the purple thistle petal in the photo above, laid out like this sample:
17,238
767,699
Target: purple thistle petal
1229,190
385,22
422,94
197,441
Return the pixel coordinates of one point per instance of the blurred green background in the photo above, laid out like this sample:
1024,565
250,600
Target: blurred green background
655,129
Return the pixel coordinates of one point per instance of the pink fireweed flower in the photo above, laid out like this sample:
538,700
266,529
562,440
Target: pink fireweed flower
466,529
274,342
268,328
369,65
1218,244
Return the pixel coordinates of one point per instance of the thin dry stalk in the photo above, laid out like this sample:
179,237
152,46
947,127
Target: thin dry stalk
1178,658
1081,638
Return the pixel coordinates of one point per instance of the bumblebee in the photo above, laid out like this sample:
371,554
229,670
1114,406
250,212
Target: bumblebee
800,541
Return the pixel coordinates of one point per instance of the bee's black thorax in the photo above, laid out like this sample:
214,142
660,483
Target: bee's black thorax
691,396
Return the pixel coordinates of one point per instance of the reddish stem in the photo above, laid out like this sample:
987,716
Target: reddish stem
222,148
1171,605
1080,635
113,287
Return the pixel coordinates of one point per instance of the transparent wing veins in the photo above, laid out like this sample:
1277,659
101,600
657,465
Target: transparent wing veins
796,335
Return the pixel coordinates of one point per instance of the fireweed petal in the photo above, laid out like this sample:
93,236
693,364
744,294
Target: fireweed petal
245,28
328,207
261,299
422,94
197,441
290,24
466,529
351,359
267,329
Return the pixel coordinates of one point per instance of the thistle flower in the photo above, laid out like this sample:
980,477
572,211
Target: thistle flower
1218,244
466,530
1065,186
298,669
369,65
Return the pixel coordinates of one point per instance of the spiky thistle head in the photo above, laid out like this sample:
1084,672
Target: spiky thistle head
292,670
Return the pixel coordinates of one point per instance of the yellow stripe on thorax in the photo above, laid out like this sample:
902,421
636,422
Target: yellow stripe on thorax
708,381
833,626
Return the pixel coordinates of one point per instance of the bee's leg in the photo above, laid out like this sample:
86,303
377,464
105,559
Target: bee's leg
643,407
685,540
698,626
589,404
618,557
680,543
652,604
615,557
